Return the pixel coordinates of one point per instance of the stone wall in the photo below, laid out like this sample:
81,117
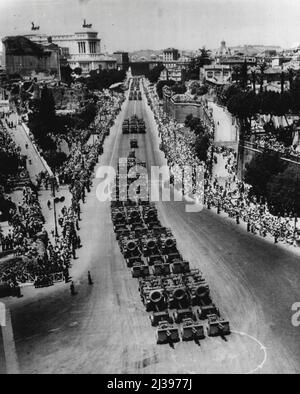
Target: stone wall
180,110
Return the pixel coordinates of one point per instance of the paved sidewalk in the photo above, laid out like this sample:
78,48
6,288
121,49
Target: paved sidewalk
34,163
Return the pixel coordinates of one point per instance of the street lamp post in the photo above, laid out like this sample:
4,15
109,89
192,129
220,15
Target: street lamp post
54,205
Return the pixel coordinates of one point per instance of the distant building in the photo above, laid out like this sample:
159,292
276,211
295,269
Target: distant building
122,59
170,55
173,73
279,61
81,49
217,74
292,62
107,63
237,60
28,59
223,50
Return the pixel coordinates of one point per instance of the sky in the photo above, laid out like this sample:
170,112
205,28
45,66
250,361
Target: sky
157,24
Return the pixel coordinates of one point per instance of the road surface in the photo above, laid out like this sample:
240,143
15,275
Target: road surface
225,131
104,328
34,163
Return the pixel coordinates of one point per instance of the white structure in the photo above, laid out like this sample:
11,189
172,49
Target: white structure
294,63
81,49
223,50
174,73
218,74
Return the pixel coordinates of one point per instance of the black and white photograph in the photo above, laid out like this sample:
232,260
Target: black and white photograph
149,190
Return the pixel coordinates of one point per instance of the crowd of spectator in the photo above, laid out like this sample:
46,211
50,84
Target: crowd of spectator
26,222
39,256
226,194
272,143
7,145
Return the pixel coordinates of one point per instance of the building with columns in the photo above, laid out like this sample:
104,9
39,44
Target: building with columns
81,49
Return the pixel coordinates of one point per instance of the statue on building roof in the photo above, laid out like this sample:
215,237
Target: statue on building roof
86,25
33,27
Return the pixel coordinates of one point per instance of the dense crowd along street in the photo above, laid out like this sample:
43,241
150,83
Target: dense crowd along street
27,220
149,198
119,306
231,196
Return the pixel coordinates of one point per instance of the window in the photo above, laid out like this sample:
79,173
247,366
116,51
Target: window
92,47
81,47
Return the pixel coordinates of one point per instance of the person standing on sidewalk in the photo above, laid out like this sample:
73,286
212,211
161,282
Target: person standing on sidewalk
90,278
72,288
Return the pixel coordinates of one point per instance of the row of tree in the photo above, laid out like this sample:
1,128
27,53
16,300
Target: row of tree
103,79
44,122
97,79
246,104
275,181
244,75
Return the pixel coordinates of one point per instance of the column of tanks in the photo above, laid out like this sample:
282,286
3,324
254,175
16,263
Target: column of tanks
177,297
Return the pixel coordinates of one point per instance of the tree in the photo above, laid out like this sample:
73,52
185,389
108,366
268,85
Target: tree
240,75
244,75
253,77
78,71
228,91
42,120
154,74
161,84
178,88
55,159
291,76
194,124
244,106
282,80
295,95
103,79
66,74
191,122
236,73
47,105
262,68
193,69
202,144
260,170
283,191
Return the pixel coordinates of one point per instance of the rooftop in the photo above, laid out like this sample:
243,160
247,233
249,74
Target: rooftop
170,50
19,45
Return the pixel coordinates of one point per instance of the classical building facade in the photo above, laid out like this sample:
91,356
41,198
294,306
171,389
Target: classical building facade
81,49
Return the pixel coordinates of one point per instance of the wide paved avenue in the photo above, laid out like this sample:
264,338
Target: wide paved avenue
105,329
